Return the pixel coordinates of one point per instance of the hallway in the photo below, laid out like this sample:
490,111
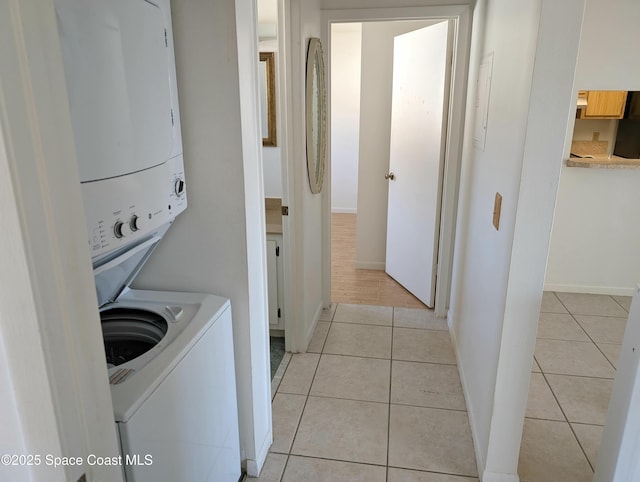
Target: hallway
376,398
360,286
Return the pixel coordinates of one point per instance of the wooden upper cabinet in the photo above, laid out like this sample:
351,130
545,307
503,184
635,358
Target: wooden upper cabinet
604,104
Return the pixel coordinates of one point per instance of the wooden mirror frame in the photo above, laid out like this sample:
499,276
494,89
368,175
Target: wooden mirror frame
268,93
316,115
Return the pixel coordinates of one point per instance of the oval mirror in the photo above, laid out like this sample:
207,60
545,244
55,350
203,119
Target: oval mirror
316,108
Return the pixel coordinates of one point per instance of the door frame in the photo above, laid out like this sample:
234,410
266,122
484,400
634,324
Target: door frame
53,369
461,15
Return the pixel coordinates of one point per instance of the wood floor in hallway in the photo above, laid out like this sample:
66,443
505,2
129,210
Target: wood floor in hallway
360,286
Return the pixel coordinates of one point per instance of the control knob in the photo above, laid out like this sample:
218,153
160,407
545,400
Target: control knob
134,223
179,187
120,229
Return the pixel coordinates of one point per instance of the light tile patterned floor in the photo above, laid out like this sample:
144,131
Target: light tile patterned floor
579,340
376,398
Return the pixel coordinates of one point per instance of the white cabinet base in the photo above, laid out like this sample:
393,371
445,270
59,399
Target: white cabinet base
275,280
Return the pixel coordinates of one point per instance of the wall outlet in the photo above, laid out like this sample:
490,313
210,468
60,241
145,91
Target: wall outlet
497,207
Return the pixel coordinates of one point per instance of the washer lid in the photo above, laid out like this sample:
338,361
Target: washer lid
115,271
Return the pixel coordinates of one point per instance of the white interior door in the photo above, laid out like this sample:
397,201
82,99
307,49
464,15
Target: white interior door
418,132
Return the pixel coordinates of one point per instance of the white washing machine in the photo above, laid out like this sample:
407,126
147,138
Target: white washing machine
169,354
176,415
171,370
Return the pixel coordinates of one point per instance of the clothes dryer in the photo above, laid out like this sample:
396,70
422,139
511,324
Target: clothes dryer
169,355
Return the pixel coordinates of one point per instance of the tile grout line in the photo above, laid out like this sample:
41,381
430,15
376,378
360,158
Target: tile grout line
397,359
416,328
306,400
370,464
544,375
388,402
586,333
566,420
393,314
620,304
284,469
589,314
577,376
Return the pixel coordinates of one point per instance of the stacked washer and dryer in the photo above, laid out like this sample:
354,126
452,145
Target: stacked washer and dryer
169,354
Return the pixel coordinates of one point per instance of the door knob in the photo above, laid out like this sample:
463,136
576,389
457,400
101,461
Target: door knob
391,176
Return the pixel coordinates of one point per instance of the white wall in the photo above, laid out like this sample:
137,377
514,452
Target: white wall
11,437
595,233
481,267
584,130
307,213
313,203
375,133
54,380
610,36
498,275
272,170
346,42
217,245
272,156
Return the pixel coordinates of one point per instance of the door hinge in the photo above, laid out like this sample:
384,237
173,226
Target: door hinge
172,120
166,38
277,250
278,312
285,210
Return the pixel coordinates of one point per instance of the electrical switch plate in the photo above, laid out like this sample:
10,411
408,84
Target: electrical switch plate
595,136
497,206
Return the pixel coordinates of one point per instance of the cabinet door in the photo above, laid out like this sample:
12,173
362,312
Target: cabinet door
604,104
272,281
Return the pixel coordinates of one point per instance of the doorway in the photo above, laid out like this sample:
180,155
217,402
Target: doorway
367,190
274,175
361,87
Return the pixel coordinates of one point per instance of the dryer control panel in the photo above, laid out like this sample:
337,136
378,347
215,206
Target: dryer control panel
127,208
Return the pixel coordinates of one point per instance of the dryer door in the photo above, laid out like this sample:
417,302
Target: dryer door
117,65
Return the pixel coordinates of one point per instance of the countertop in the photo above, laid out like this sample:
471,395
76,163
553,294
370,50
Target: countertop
273,215
604,162
594,154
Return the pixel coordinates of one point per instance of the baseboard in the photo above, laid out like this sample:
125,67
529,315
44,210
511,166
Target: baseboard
311,331
480,458
594,290
493,477
344,210
255,466
379,265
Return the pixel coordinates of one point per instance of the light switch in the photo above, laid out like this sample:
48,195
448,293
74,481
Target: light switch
497,206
